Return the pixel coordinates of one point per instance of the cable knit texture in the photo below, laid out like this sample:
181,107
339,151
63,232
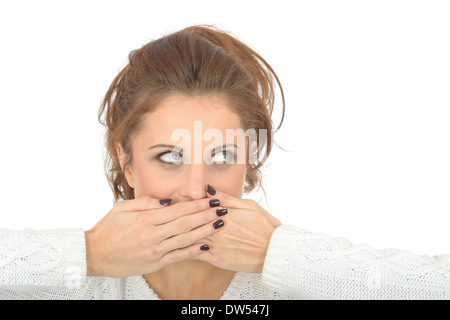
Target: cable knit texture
316,266
31,259
299,265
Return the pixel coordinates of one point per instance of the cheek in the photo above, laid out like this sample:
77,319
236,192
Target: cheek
150,180
230,181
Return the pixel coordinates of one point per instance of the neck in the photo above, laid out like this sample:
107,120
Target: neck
189,280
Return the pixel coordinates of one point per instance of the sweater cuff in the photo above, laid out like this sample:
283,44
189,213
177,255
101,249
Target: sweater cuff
277,256
75,258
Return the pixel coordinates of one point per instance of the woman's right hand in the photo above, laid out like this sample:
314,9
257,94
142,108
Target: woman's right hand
141,236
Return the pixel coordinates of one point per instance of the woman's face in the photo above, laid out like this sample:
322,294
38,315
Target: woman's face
182,146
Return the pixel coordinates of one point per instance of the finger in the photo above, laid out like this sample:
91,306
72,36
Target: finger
206,256
175,211
141,204
188,238
185,253
226,200
189,222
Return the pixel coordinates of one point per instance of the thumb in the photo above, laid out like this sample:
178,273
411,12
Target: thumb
226,200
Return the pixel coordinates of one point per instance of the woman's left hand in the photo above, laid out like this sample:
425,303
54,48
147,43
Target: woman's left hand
242,243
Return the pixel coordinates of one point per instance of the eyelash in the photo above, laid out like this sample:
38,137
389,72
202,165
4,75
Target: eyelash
226,152
158,157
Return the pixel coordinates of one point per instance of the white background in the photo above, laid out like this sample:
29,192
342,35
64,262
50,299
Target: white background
367,124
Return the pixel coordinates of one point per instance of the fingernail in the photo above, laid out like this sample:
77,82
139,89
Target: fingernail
214,203
165,202
204,247
221,212
218,224
210,190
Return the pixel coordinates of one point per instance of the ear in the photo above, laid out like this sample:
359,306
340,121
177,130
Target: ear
126,169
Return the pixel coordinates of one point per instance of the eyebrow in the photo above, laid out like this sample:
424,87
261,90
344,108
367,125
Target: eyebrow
172,146
161,146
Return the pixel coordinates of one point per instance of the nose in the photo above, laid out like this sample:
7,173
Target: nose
193,184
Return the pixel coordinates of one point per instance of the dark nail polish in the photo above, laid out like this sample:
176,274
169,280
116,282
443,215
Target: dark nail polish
218,224
221,212
165,202
214,203
204,247
210,190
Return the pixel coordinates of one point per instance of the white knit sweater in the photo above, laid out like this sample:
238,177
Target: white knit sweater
299,265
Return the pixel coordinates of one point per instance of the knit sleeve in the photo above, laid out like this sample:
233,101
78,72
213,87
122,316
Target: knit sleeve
32,260
307,265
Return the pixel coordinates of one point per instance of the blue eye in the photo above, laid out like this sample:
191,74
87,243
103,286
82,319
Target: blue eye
171,157
223,157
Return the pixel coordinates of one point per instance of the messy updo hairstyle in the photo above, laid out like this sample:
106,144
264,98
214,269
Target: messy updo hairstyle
195,61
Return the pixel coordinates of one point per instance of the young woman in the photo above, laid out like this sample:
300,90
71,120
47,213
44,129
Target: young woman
180,228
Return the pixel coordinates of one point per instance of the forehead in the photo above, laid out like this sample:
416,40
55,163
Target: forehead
183,112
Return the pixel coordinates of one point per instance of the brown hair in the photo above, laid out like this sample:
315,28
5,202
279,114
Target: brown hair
194,61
